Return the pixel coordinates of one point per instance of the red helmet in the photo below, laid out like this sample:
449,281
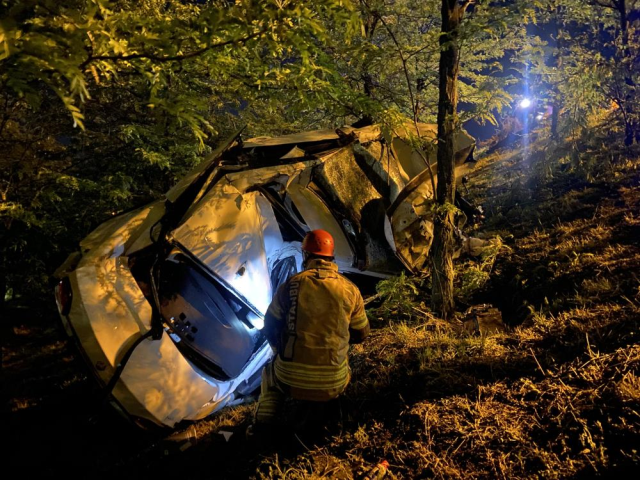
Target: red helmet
318,242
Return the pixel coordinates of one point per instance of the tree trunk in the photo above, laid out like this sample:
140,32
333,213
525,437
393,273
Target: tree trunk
442,273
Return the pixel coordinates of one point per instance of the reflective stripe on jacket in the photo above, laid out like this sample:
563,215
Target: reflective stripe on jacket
310,323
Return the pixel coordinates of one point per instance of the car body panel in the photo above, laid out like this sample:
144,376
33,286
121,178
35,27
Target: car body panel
159,384
116,311
292,139
410,215
223,233
318,216
412,162
357,186
122,235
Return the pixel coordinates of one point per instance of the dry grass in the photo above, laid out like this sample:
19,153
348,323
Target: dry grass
554,397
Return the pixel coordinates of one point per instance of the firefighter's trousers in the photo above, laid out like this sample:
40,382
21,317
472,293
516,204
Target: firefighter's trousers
305,415
272,396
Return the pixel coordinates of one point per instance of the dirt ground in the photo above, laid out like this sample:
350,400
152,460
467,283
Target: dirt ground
556,395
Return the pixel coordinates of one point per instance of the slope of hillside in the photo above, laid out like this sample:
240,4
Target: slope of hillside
555,395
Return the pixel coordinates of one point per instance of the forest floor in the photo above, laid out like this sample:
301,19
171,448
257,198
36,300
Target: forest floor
554,395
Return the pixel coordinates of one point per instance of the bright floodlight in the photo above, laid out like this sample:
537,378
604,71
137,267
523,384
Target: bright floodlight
525,103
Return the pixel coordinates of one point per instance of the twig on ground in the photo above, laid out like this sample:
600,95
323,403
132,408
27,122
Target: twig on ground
537,362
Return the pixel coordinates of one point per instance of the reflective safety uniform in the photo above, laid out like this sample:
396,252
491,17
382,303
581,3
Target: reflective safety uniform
311,321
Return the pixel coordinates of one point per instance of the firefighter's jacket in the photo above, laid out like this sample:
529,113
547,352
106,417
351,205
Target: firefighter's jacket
310,323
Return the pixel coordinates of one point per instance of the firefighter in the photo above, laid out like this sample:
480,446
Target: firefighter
310,323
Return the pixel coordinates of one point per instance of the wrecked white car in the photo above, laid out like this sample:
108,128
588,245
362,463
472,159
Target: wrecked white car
167,302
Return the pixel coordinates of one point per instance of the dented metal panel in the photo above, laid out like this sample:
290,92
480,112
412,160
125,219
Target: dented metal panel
225,234
412,228
410,161
122,235
293,139
317,215
358,188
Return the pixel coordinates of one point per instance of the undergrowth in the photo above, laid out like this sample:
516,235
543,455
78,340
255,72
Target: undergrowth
472,274
399,298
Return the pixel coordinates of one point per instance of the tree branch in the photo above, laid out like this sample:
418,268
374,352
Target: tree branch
466,4
422,49
173,58
603,3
